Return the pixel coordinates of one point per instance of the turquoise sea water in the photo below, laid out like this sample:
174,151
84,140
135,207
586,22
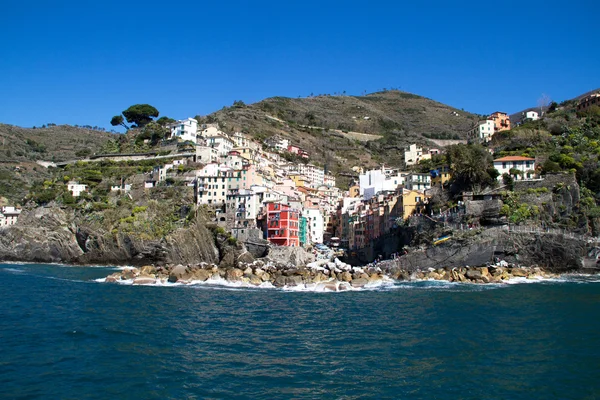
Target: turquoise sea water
65,336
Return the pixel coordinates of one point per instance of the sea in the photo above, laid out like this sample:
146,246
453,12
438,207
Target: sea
65,334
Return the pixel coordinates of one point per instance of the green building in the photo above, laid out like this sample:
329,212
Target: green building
302,231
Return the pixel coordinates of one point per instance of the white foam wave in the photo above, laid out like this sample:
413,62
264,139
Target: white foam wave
14,270
220,283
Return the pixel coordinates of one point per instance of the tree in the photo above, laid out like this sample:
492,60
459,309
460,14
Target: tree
118,120
470,165
544,102
164,121
140,114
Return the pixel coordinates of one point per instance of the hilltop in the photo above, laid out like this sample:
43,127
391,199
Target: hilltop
20,148
342,131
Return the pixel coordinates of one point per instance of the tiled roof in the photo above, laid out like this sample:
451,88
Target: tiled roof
514,158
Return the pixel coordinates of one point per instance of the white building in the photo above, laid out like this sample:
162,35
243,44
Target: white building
315,224
329,180
76,188
206,154
314,174
415,155
531,115
242,140
212,184
418,182
9,216
482,132
184,130
221,143
525,165
379,180
122,187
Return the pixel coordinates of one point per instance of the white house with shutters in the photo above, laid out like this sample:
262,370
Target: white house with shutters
525,165
482,132
76,188
184,130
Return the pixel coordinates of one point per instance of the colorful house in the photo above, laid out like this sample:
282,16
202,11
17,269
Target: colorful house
283,225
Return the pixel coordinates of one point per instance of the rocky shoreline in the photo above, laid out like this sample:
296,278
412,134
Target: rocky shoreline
326,275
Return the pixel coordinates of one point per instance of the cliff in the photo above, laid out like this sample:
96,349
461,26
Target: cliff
53,234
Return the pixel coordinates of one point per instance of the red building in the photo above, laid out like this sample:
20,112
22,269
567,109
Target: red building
282,225
297,150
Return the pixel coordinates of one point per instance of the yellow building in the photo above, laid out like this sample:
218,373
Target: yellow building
299,180
354,191
440,176
412,201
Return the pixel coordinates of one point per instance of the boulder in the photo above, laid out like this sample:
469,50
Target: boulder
265,277
178,272
129,273
144,279
345,276
473,274
518,272
255,280
295,280
248,271
484,271
148,270
234,274
202,275
359,282
279,281
113,277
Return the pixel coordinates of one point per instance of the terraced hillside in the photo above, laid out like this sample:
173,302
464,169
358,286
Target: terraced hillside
333,128
20,148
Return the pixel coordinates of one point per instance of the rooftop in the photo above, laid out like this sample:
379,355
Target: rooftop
514,158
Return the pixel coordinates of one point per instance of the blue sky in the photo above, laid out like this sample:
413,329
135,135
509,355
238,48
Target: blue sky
79,63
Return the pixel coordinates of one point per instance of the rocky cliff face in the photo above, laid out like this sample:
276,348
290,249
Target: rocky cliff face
556,253
55,235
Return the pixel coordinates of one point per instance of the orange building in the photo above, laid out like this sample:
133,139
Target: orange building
282,225
588,101
501,121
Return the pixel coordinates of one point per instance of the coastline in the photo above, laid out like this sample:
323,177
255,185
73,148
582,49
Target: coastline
322,275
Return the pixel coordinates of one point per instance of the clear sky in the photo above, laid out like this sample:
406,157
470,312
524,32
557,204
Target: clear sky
81,62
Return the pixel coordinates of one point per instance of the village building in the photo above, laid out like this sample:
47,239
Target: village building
283,225
206,154
379,180
501,121
298,151
9,215
314,224
76,188
411,202
520,168
482,132
417,181
415,155
440,176
531,116
184,130
589,101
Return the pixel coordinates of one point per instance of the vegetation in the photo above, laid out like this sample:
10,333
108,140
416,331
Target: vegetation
138,114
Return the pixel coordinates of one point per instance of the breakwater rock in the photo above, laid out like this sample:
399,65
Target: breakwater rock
325,275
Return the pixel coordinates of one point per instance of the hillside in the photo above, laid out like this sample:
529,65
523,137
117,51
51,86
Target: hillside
518,116
330,127
20,148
